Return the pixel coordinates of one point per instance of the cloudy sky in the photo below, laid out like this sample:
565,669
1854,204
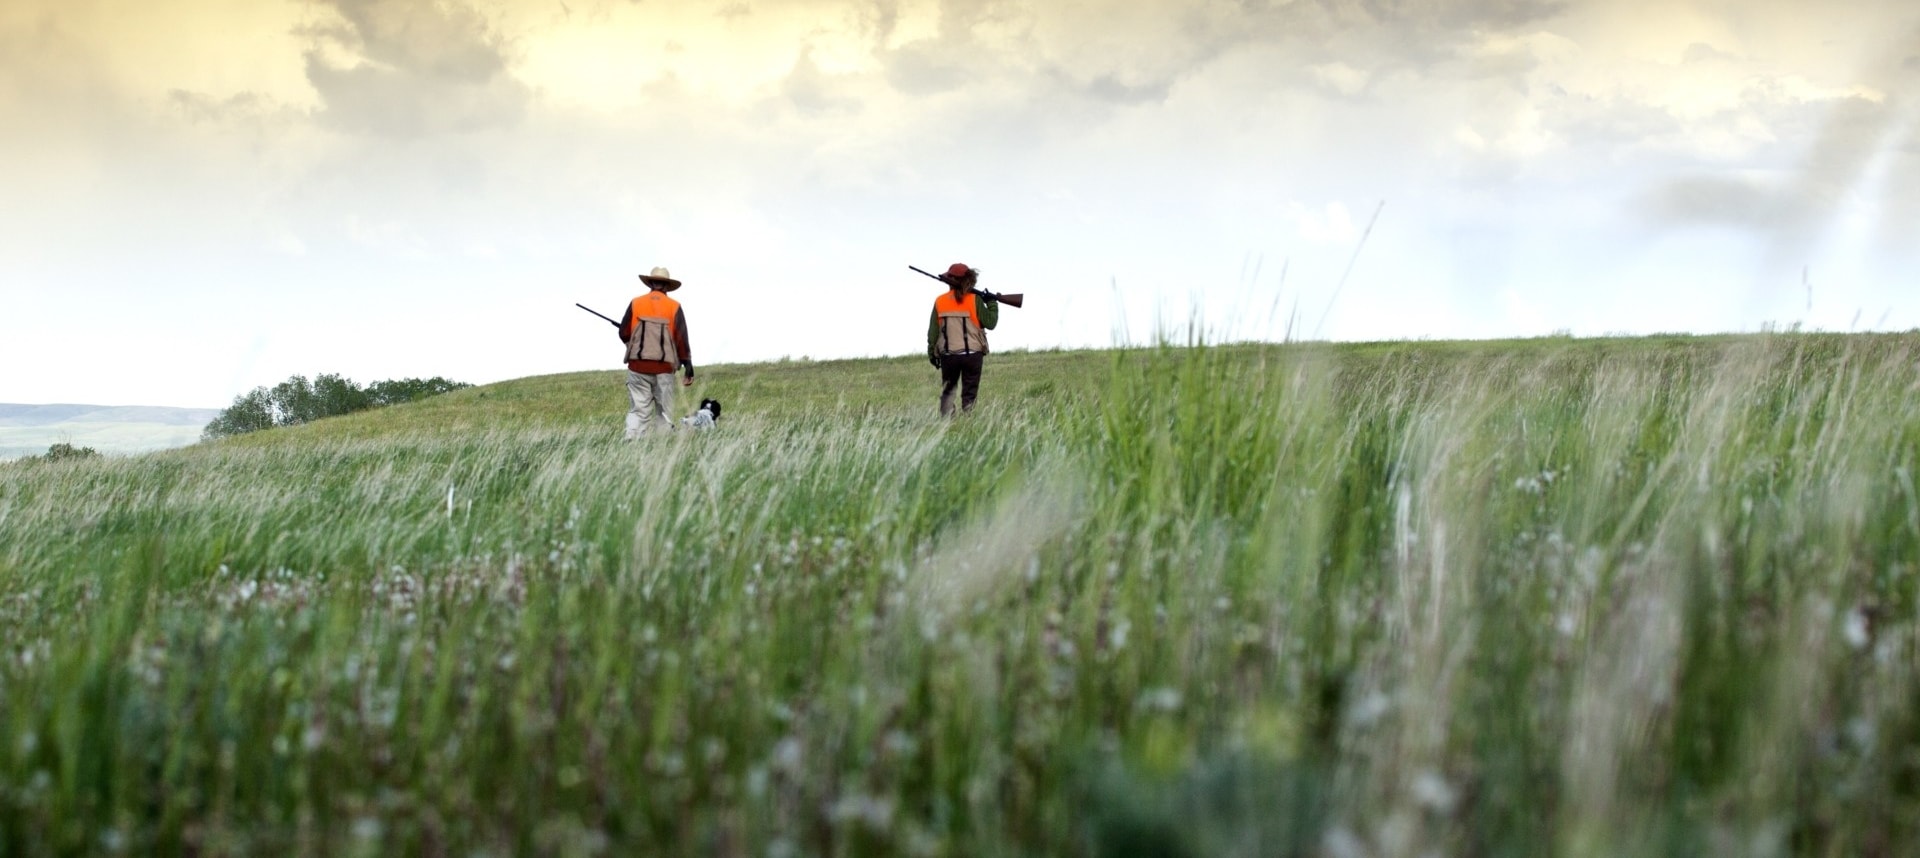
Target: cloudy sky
202,196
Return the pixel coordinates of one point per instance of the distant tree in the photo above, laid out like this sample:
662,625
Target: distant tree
298,400
293,402
332,394
63,452
250,412
325,396
410,389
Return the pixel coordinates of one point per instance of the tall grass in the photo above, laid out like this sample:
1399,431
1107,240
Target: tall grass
1587,598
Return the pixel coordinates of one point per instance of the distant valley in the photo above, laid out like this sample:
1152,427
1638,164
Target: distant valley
28,430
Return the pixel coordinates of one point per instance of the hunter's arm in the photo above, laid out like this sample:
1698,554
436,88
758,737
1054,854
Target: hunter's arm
626,323
989,310
682,341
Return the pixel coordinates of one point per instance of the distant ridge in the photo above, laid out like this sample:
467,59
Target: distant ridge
27,430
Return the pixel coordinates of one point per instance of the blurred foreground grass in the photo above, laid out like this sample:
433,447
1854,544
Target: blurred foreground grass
1613,597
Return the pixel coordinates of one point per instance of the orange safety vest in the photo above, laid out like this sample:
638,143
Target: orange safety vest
960,331
653,334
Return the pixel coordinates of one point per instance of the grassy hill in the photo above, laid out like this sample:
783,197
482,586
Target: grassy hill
27,430
1582,597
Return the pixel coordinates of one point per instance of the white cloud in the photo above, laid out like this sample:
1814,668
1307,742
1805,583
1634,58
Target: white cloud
1342,79
1537,155
388,236
289,244
1331,224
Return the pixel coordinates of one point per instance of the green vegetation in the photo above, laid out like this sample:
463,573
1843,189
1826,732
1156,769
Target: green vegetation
297,400
1546,597
63,451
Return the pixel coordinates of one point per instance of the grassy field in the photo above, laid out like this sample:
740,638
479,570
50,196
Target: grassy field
1545,597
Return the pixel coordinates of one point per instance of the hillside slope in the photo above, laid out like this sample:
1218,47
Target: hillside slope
1015,383
803,390
1652,596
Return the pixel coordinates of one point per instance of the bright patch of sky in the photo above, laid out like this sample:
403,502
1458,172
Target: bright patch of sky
208,195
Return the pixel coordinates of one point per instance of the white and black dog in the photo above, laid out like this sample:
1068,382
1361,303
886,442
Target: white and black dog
706,417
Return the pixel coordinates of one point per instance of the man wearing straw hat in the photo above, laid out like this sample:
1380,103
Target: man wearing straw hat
655,331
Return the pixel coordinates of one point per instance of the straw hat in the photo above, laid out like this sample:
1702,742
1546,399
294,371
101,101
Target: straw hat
661,280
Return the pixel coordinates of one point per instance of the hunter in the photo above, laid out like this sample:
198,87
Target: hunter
655,331
957,335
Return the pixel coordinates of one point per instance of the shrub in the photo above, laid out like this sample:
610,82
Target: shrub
64,451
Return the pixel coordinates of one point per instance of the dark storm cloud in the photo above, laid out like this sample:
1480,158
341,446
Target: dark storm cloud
1023,77
1413,35
445,40
419,69
1478,14
1900,217
1795,210
953,58
1823,155
1722,201
1146,65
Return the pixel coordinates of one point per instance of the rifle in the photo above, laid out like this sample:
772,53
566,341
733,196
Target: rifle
1014,300
612,322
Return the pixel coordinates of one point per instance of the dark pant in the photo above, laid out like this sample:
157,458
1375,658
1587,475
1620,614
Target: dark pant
963,370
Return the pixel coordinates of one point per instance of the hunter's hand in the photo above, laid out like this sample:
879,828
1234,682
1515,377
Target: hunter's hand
687,382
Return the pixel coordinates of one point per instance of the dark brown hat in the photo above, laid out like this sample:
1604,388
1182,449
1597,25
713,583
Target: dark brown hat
956,273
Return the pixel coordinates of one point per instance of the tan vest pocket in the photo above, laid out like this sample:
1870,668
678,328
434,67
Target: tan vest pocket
959,335
652,341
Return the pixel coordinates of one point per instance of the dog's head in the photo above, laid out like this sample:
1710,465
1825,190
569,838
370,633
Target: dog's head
711,406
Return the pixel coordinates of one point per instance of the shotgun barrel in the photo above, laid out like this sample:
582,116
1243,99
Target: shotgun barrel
1014,300
603,316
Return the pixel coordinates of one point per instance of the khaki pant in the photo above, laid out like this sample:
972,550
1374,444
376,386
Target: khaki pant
651,395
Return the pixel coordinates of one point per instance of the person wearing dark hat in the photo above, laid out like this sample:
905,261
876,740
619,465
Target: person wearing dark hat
957,335
655,331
